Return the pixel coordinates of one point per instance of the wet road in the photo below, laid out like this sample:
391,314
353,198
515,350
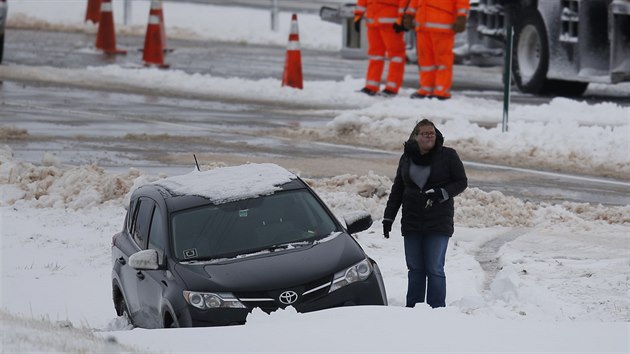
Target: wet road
157,134
75,50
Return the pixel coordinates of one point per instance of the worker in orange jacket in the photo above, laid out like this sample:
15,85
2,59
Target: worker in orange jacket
383,39
436,23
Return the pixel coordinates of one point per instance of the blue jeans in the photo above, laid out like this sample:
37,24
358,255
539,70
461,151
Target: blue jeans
425,255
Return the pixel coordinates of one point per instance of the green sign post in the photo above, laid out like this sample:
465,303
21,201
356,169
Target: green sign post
507,74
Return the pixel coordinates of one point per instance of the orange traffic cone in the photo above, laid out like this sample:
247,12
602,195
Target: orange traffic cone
160,13
292,75
154,40
106,35
93,12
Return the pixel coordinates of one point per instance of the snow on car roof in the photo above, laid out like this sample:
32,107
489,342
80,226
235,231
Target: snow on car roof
228,184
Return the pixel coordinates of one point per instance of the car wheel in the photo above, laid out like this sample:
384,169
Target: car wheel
169,322
530,53
123,311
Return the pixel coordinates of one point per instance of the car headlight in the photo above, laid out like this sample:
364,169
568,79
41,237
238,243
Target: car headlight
357,272
206,301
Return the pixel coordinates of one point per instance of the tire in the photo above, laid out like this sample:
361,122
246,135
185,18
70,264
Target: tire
530,53
566,88
123,311
169,322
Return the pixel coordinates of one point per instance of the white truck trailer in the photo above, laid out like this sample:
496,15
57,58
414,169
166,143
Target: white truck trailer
559,46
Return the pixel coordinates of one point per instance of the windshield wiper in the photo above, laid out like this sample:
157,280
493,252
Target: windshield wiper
294,244
281,246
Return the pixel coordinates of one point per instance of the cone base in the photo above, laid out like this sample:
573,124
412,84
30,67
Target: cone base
166,50
114,52
159,66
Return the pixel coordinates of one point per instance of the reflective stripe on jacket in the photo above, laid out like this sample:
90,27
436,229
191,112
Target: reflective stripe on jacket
438,15
381,11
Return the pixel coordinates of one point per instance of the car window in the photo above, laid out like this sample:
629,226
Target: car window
131,214
157,234
143,222
249,225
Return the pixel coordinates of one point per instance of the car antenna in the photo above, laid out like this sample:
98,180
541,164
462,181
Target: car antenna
196,163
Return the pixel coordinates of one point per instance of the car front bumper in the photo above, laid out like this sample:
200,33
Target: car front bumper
368,292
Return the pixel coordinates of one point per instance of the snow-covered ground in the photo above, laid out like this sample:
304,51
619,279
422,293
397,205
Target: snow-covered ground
522,276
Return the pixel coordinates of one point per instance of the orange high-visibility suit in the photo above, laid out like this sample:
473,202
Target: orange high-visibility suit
380,16
435,40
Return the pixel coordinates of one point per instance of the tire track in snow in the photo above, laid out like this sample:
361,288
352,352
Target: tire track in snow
488,254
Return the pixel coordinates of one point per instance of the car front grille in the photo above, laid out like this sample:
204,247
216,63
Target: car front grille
270,300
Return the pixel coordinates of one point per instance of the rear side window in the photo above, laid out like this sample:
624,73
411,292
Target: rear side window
143,222
131,213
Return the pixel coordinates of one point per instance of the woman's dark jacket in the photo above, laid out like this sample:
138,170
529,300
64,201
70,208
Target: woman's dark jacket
447,171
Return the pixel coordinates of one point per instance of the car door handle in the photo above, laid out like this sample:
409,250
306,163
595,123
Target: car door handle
122,261
140,275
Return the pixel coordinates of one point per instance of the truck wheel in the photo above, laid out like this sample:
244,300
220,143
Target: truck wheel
530,52
566,88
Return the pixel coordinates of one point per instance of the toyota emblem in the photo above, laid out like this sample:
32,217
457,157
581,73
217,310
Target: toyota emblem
288,297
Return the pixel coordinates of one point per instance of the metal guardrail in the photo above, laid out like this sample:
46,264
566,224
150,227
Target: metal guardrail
307,6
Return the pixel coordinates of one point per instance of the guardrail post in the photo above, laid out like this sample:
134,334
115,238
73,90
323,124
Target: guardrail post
127,12
274,15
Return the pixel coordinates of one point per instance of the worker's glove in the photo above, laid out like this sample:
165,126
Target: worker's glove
404,24
387,227
357,22
407,22
398,27
432,196
460,24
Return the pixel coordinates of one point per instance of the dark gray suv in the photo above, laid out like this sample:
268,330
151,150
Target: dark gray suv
207,248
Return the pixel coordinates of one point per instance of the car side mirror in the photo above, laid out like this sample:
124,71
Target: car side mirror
358,221
145,260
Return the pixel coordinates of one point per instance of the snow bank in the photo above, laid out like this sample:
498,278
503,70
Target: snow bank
57,186
24,335
90,185
559,135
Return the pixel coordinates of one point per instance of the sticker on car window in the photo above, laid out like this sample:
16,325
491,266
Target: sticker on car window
190,253
243,213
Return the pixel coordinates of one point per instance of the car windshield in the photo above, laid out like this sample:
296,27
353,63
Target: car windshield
246,226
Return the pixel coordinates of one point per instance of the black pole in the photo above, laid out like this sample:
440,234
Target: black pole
196,163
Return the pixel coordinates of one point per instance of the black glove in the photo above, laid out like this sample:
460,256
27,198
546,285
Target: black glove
407,22
399,28
387,227
357,25
434,195
460,24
